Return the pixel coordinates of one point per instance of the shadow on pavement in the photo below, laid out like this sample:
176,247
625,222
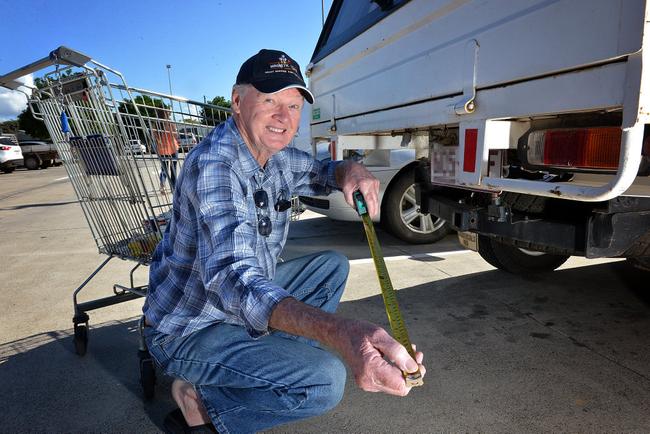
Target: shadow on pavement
48,388
497,346
350,239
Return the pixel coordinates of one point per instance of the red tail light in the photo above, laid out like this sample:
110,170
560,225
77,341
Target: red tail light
582,148
5,148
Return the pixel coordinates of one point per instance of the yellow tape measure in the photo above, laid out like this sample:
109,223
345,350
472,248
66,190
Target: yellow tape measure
388,293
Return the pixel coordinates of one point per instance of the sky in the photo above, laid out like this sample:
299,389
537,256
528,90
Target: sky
204,41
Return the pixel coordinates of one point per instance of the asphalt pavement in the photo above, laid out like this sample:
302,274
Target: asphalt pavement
567,351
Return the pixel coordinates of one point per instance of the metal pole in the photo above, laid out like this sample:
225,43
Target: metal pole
169,77
322,11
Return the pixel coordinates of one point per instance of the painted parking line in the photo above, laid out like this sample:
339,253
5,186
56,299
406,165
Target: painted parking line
60,179
416,256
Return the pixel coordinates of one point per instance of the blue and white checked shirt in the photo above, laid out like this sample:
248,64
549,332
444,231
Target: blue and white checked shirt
212,265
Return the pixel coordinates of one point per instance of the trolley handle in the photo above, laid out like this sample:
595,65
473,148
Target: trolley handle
61,55
35,113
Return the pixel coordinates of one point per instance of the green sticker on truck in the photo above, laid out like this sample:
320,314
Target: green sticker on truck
315,114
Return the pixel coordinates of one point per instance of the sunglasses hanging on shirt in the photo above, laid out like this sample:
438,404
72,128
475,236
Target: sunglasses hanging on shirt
261,198
264,225
282,203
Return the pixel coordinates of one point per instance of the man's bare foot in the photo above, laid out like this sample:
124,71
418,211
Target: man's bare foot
190,404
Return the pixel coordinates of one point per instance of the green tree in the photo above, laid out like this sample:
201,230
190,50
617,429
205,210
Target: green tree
220,101
32,126
146,106
213,116
9,127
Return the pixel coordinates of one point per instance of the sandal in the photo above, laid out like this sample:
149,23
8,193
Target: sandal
175,424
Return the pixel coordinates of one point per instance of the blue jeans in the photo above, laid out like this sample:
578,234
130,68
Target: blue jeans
249,385
168,169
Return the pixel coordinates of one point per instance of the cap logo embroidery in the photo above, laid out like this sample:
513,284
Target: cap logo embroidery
283,64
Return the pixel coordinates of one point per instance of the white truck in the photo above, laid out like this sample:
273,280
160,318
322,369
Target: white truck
529,117
38,153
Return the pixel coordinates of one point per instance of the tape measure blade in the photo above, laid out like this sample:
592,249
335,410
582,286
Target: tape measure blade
389,294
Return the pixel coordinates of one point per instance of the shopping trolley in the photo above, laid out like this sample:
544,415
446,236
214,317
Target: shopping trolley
99,125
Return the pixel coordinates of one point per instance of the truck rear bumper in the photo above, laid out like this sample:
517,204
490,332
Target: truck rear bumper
601,234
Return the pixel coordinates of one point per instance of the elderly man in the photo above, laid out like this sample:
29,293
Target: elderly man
240,332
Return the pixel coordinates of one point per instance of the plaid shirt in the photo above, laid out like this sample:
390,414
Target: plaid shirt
212,265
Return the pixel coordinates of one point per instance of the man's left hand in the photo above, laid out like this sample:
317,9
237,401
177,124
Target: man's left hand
352,176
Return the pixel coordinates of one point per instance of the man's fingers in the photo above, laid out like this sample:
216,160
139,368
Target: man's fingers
353,176
418,355
423,370
386,379
397,354
369,188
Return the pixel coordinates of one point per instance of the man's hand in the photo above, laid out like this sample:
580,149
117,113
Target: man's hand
365,347
352,176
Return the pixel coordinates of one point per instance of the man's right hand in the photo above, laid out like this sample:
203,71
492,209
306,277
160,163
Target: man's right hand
365,347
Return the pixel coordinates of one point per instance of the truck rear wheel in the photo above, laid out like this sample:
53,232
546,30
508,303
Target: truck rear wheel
31,162
46,163
516,260
401,215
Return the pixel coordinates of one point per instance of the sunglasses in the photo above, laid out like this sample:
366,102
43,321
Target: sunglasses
264,225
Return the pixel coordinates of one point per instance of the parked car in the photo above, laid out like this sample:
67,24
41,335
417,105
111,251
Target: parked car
38,153
187,141
11,156
399,214
135,146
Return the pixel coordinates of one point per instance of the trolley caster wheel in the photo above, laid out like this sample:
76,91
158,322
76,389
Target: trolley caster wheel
147,375
80,339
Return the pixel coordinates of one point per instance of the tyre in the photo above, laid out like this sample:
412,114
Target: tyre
8,169
517,260
45,164
32,163
401,215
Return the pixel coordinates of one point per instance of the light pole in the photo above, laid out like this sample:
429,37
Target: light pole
322,12
169,77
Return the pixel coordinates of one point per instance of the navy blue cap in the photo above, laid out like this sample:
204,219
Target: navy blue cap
271,71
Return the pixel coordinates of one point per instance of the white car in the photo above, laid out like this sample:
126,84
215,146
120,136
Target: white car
11,156
136,147
399,214
187,141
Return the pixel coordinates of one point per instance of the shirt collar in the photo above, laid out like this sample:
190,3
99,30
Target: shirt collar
249,164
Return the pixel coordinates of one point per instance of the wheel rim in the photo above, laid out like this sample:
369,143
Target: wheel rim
413,218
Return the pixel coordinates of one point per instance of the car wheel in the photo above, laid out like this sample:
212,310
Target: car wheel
516,260
401,215
32,163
